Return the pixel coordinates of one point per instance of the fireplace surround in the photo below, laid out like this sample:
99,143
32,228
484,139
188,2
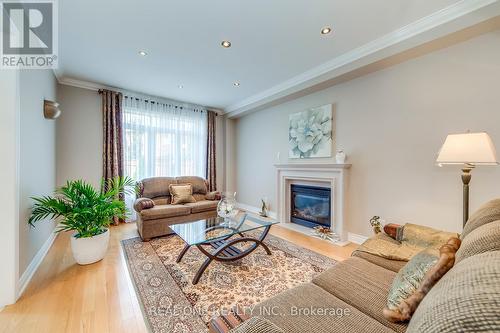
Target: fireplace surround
327,175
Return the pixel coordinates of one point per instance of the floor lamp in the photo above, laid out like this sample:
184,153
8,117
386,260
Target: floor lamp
469,150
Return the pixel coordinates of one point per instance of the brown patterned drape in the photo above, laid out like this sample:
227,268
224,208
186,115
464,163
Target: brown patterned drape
113,139
211,167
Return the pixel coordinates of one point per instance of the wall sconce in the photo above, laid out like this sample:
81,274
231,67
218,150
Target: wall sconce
51,110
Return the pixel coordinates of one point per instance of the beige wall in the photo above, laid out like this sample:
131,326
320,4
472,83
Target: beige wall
391,124
79,137
37,170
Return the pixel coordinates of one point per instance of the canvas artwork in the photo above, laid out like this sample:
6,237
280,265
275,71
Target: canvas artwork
310,133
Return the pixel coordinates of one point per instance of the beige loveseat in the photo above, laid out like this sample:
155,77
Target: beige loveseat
154,221
466,299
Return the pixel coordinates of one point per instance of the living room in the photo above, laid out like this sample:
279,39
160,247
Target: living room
282,176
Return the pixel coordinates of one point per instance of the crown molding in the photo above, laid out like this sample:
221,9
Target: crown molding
352,60
96,87
82,84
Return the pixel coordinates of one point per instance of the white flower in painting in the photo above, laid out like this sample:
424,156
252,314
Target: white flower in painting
308,131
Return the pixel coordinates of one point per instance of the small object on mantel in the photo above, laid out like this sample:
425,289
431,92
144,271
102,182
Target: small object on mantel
325,233
376,224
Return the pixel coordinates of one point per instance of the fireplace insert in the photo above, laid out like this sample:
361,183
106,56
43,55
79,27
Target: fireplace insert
310,206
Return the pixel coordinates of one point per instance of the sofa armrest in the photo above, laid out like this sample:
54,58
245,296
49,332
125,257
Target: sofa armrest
143,203
215,195
257,325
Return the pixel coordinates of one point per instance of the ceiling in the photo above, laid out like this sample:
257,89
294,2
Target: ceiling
273,41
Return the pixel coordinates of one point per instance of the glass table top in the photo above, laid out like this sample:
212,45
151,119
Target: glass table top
218,228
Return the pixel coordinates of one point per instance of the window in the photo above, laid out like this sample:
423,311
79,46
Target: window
163,140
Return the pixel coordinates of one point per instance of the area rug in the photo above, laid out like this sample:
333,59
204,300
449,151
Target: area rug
171,303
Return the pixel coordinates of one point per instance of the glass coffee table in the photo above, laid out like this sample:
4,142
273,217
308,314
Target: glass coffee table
216,238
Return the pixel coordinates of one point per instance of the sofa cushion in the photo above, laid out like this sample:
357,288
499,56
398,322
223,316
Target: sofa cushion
392,265
283,310
482,239
466,299
164,211
202,206
156,187
362,285
487,213
199,184
257,325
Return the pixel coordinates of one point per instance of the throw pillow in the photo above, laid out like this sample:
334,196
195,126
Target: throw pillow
416,278
181,194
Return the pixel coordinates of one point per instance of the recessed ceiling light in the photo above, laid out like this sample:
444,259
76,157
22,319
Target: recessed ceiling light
143,53
326,30
226,44
180,86
236,84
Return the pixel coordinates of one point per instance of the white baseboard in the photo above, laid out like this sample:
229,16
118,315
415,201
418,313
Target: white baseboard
34,264
255,210
355,238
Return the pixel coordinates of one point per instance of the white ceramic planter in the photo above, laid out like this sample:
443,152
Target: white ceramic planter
91,249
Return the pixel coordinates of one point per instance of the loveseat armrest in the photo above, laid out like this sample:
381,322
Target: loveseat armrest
214,195
142,204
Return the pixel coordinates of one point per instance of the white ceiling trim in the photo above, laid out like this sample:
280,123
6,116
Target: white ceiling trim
96,87
414,29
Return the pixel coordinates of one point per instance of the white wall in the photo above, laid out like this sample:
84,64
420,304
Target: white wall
9,195
391,124
80,138
37,159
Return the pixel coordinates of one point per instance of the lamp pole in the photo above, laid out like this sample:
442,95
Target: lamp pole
466,176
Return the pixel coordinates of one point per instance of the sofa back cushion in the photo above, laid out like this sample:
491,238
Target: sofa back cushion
487,213
466,299
483,239
156,187
199,184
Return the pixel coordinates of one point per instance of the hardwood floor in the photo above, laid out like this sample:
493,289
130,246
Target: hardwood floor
66,297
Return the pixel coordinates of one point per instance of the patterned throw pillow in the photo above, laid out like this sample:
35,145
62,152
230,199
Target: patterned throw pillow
417,278
181,194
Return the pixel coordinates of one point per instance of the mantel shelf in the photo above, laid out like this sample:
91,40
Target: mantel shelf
312,166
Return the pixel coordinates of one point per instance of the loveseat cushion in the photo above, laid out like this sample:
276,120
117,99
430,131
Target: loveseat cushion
487,213
164,211
480,240
155,187
283,310
466,299
362,285
199,184
202,206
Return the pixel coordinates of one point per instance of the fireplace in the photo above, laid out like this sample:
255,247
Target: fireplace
310,205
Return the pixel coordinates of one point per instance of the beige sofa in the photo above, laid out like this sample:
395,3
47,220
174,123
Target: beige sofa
155,221
466,299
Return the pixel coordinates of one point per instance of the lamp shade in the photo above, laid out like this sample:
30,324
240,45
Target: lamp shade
468,148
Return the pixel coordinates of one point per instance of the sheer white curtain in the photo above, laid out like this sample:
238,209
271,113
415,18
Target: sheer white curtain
163,139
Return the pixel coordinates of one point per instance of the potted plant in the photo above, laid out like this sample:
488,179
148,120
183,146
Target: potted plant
85,211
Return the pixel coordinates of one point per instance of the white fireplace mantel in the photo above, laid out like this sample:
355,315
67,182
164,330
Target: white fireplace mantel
326,174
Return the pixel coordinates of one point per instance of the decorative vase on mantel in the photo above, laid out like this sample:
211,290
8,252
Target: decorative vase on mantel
340,157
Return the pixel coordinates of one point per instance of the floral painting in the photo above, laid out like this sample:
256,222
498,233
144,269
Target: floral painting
310,133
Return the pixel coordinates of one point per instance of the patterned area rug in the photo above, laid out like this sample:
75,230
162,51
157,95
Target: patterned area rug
171,303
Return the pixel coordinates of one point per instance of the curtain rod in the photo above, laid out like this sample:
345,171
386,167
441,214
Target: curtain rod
149,100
